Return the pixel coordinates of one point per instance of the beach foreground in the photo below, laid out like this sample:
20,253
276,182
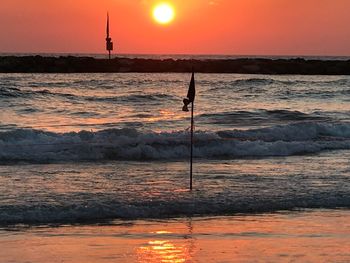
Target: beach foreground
299,236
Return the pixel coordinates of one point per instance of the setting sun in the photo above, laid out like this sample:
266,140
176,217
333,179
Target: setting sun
163,13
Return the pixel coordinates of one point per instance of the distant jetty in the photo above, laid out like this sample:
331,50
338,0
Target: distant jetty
71,64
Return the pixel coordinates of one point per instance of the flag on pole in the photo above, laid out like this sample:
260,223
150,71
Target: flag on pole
191,94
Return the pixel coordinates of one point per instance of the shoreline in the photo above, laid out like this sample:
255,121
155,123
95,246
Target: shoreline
73,64
276,237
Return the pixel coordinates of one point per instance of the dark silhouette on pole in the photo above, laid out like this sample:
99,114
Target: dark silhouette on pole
109,43
191,94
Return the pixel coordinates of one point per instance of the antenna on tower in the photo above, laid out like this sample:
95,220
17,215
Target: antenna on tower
109,43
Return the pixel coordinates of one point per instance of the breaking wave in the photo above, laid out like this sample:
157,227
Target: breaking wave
39,146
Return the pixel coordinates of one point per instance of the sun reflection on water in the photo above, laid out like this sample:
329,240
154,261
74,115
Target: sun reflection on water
163,251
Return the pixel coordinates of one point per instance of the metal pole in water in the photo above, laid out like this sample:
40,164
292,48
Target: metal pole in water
191,160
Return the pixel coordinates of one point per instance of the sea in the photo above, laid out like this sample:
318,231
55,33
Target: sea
95,154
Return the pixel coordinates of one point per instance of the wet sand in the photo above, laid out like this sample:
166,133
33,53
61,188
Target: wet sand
304,236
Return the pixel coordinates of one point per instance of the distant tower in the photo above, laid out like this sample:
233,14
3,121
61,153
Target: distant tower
109,43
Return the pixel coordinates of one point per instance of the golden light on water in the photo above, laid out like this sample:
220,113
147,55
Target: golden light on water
163,251
163,13
167,249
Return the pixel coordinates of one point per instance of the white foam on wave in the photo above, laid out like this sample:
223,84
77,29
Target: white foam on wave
131,144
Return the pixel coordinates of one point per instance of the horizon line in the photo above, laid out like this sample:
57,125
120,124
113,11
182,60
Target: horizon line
167,54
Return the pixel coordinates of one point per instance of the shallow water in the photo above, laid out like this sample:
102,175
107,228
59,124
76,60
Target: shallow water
305,236
93,192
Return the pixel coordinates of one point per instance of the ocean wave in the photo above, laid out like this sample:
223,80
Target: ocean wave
261,84
324,83
327,94
253,81
100,208
130,144
135,98
108,82
45,93
42,84
9,92
20,93
259,117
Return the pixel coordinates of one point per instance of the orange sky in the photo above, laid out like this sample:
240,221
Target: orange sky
238,27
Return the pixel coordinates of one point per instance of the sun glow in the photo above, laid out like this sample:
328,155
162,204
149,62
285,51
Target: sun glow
163,13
